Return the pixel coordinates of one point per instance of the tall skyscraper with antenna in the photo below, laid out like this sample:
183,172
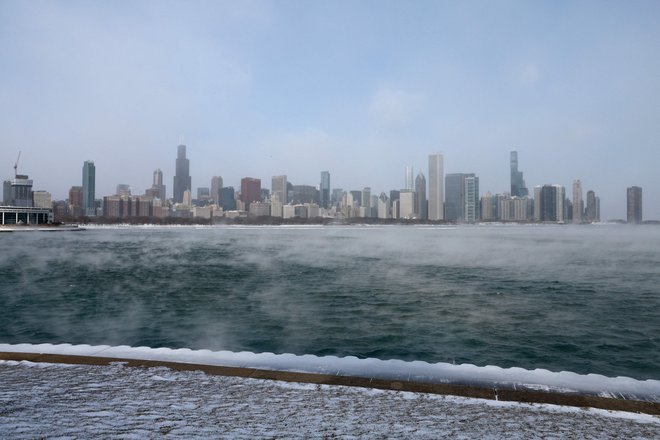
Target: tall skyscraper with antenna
182,180
518,188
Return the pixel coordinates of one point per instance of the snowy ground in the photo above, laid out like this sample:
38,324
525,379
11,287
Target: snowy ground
81,401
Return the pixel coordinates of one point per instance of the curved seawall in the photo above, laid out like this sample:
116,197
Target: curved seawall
517,384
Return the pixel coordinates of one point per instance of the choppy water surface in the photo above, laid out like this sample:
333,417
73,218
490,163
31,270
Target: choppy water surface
583,299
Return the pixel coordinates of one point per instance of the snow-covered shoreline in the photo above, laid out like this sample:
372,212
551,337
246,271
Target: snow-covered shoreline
492,377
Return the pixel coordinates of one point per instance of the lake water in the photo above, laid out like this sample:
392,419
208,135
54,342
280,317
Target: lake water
576,298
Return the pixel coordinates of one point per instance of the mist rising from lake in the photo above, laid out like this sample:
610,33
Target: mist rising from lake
583,299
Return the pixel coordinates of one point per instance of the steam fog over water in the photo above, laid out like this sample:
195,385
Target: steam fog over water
583,299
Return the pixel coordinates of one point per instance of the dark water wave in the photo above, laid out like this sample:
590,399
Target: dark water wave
583,299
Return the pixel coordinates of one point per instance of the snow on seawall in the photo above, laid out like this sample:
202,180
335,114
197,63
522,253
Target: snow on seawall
417,371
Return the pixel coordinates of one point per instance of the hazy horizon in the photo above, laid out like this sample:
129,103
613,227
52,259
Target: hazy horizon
360,89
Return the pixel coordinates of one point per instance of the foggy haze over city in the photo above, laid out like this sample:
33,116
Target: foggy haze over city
359,89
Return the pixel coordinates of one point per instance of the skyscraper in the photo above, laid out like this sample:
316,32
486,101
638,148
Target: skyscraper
550,203
436,188
578,203
462,197
227,199
76,201
89,188
421,206
21,191
518,188
182,180
279,188
324,190
634,204
455,197
384,208
592,212
6,192
471,208
216,189
250,191
488,207
158,190
366,201
409,178
407,204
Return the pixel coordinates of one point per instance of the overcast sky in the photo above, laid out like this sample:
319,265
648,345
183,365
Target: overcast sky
358,88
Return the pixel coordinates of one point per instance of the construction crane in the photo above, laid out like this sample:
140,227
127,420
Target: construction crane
16,164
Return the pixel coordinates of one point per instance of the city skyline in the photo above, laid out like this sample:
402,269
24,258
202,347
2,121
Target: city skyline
360,90
458,195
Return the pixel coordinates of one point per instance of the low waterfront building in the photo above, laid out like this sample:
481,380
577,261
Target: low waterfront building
205,212
25,215
259,209
288,211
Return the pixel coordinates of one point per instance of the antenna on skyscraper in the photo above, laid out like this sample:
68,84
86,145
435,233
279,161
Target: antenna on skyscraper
16,164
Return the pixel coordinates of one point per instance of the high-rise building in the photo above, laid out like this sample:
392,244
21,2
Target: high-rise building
89,188
365,208
75,201
6,192
158,190
550,202
275,206
250,191
471,208
578,203
407,204
21,191
409,182
436,188
182,180
634,204
228,199
518,188
279,187
324,190
337,194
516,209
462,197
216,189
366,197
592,212
42,199
455,197
304,194
488,207
357,198
187,198
421,205
394,202
384,208
203,195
